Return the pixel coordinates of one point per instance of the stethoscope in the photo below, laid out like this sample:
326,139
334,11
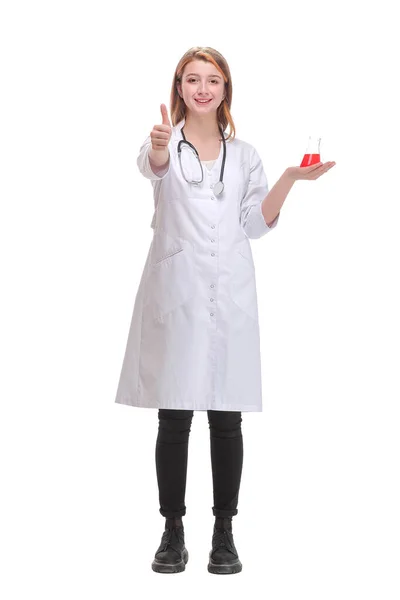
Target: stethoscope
218,187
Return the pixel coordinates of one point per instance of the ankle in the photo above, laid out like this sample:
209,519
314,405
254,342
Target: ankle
223,522
173,522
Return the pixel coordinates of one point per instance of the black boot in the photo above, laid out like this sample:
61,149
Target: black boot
223,557
171,556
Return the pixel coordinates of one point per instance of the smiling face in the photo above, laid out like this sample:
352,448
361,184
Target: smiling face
201,81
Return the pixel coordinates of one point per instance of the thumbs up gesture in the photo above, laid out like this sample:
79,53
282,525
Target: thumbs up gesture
161,134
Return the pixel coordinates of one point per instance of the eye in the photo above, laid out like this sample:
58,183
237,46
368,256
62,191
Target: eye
193,79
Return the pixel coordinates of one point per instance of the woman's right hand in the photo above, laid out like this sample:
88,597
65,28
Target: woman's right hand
161,134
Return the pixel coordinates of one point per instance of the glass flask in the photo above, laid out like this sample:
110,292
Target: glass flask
312,155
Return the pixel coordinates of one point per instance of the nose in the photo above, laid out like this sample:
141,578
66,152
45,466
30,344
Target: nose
203,87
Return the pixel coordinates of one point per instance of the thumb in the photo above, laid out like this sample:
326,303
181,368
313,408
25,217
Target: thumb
164,113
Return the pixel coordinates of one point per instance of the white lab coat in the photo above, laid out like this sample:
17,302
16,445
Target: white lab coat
194,338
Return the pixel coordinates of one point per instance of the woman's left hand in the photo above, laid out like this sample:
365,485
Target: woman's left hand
311,172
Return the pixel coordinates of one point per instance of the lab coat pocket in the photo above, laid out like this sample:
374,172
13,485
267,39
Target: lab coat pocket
243,289
170,280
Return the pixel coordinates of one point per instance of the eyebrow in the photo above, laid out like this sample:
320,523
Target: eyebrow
187,75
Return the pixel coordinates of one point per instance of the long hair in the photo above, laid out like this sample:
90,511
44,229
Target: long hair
177,105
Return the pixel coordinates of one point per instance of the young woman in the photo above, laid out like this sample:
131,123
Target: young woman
194,341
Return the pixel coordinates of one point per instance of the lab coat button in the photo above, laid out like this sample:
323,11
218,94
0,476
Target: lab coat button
213,240
212,253
212,285
211,314
212,226
211,299
212,198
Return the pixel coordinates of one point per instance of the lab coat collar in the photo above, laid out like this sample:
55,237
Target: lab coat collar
177,129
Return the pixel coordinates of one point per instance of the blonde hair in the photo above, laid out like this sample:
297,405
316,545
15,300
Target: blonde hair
177,104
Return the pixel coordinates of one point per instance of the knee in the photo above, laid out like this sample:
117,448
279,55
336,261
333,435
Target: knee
225,423
175,424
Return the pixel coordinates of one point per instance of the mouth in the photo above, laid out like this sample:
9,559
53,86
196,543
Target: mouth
202,101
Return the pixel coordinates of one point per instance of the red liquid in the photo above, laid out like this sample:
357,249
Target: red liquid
310,159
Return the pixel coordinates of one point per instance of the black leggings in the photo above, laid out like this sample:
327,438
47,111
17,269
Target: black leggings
226,444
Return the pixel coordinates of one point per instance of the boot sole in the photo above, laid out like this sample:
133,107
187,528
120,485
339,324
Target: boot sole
224,569
162,567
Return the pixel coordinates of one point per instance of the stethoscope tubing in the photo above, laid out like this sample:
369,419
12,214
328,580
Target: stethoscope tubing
185,141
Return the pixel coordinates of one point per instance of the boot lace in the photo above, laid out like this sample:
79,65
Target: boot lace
172,538
223,539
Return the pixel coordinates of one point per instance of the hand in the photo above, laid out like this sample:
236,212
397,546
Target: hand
161,134
311,172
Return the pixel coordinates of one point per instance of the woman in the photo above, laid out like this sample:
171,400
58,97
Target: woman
194,337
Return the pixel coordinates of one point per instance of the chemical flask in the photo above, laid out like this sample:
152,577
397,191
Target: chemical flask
312,155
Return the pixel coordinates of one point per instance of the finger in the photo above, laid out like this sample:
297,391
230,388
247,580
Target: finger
162,129
159,141
314,166
162,138
327,165
317,173
320,171
164,113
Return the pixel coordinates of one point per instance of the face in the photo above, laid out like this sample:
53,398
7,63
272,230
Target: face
202,81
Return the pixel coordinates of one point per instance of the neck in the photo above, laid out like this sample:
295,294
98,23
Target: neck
201,127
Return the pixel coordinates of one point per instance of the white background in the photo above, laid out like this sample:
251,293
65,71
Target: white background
82,83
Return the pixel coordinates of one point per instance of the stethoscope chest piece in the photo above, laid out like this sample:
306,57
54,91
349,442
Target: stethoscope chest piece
218,188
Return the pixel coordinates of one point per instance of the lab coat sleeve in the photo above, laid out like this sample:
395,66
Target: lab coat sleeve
143,162
251,217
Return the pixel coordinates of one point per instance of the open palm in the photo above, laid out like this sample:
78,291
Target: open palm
312,172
